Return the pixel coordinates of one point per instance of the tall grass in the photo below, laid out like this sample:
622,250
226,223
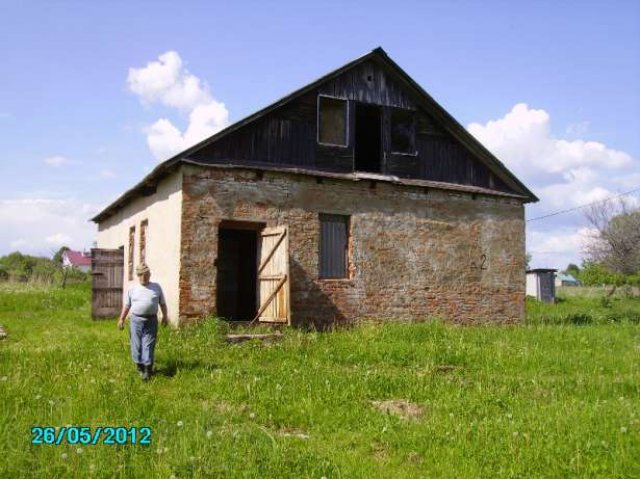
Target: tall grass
538,400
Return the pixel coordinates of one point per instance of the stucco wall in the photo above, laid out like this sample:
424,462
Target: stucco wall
163,212
416,253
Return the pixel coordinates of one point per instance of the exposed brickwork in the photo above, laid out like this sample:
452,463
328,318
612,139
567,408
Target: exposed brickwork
416,254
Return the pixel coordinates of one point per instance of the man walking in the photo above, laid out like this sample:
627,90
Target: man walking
142,300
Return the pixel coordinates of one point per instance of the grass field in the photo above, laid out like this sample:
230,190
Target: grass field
557,397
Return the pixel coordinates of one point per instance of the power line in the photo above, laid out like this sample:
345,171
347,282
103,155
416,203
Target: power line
560,212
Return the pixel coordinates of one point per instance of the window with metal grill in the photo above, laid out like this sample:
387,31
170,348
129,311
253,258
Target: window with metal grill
334,246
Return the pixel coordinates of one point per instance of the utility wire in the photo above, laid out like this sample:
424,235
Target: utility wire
560,212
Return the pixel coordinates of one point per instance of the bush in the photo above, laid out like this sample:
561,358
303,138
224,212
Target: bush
578,318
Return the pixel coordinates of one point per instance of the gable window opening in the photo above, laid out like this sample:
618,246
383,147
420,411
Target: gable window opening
332,121
132,243
402,124
368,138
334,246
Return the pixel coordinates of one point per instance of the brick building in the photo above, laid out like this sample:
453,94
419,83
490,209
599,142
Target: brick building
357,196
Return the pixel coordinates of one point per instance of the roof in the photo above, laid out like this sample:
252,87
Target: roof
542,270
425,100
78,259
566,277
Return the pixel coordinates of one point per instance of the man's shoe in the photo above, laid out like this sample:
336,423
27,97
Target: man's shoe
148,370
140,369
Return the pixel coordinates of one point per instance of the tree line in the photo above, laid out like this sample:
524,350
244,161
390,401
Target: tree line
19,267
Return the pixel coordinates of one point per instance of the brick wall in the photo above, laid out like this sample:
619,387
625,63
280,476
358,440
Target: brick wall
415,253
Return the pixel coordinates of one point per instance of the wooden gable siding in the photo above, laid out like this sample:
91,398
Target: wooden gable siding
287,136
368,83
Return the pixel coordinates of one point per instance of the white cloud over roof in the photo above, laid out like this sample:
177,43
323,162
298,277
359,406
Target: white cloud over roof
166,82
563,173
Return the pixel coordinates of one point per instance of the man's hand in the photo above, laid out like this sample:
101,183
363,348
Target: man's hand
121,324
165,320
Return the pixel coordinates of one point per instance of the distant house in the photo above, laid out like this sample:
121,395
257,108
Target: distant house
541,284
78,260
564,279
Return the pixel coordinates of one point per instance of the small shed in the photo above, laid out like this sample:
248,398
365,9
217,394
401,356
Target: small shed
541,284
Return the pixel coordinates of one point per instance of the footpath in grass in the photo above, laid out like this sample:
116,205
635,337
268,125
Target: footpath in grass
387,400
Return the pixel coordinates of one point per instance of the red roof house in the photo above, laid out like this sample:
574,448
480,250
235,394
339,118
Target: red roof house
79,260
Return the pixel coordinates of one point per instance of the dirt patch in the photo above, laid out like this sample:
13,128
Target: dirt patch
400,408
445,368
293,432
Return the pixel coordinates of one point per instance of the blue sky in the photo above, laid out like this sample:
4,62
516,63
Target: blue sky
551,87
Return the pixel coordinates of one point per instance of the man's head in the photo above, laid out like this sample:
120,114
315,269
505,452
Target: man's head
143,272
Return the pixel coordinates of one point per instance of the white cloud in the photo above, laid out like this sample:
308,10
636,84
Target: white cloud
558,247
56,161
46,223
578,130
107,173
523,139
168,83
563,173
20,242
58,239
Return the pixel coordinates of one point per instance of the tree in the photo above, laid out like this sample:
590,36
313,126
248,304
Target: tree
615,243
573,269
57,257
595,274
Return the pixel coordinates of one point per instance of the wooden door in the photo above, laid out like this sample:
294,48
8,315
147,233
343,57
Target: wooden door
107,271
273,275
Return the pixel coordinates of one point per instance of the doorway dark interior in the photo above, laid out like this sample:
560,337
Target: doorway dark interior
237,273
368,149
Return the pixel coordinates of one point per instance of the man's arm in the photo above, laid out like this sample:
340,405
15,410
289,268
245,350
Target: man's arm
165,315
123,315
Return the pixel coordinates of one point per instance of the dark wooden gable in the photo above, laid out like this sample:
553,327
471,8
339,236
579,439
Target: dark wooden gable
287,136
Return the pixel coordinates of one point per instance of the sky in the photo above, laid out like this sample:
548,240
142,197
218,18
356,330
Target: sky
93,95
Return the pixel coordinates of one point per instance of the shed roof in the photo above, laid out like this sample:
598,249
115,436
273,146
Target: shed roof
425,100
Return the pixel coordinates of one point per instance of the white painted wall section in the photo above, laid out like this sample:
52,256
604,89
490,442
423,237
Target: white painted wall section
163,211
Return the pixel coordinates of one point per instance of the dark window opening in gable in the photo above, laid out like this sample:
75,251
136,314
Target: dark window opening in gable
402,131
368,148
334,246
332,121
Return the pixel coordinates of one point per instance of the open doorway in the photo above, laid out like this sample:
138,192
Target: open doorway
368,148
236,297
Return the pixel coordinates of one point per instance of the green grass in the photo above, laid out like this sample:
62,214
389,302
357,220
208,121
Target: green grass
546,399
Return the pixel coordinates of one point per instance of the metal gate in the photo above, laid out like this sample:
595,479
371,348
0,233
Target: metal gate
107,270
